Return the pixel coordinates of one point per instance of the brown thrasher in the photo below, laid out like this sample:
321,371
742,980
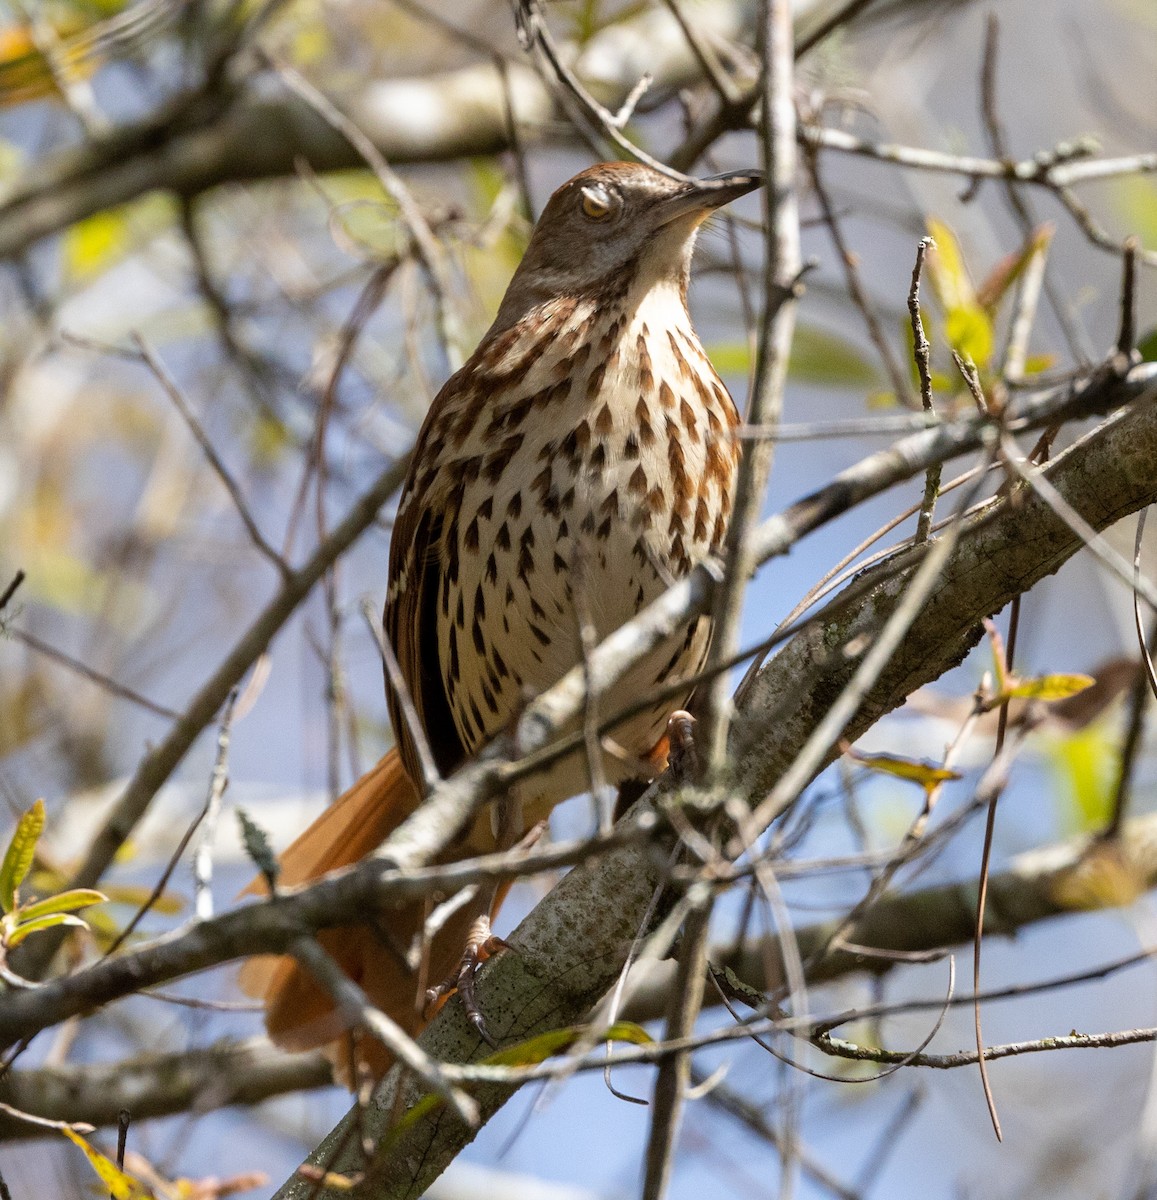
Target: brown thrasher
581,460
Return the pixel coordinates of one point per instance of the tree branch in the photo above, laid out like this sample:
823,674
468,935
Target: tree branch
571,948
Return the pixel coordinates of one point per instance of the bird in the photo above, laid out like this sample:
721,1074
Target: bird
582,460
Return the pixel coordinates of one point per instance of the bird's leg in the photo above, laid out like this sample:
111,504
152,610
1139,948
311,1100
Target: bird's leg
481,942
682,753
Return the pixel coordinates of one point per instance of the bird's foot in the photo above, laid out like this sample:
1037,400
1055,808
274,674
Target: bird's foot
481,944
682,754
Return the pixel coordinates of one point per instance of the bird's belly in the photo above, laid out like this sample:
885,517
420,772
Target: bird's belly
573,547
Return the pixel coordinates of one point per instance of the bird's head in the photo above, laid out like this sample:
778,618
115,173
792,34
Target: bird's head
613,224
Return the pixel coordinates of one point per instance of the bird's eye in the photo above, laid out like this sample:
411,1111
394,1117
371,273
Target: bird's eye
597,203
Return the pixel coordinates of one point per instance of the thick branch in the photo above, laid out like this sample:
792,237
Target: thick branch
573,945
155,1085
1031,890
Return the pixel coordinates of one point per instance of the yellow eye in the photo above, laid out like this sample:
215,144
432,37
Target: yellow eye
596,203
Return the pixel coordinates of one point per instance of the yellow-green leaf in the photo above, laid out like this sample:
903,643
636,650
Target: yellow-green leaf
545,1045
1047,687
968,329
946,269
818,356
166,903
68,901
1135,199
1011,267
1087,763
39,925
21,851
96,243
730,358
1037,364
119,1184
824,358
530,1053
927,775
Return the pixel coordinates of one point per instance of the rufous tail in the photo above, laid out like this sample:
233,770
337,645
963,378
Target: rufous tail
299,1013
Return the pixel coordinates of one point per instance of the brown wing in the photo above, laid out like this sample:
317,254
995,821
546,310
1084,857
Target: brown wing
426,522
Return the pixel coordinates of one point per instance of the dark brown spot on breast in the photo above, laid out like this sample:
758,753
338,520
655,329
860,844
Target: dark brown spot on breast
643,357
687,417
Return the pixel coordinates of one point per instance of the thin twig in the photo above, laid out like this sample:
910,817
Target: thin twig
358,1010
1075,335
431,776
777,327
169,386
159,763
897,377
218,782
218,779
922,354
11,589
108,684
429,251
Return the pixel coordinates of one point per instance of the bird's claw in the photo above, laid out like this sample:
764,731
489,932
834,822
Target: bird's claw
481,944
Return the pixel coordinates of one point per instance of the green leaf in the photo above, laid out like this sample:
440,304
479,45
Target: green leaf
1148,345
25,928
96,243
119,1184
1037,364
818,357
1047,687
927,775
730,358
20,853
1135,199
1087,763
969,332
546,1045
68,901
828,360
946,269
528,1054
